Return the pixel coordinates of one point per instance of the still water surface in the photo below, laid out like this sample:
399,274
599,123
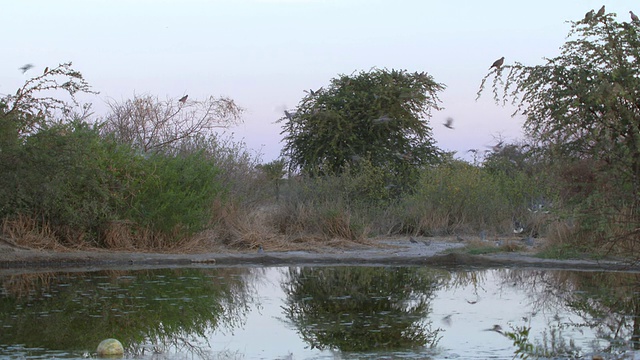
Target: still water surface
321,313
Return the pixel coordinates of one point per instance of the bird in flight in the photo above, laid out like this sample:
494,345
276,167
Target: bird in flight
382,119
496,64
449,123
183,99
26,67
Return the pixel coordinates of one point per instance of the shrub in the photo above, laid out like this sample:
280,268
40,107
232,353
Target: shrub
175,194
57,176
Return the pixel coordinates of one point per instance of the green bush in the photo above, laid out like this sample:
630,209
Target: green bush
57,175
460,197
175,193
76,181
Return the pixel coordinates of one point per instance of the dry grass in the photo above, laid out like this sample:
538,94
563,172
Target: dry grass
28,232
276,229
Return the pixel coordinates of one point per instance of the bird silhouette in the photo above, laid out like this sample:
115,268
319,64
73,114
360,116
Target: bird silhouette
589,16
449,123
496,64
497,147
288,115
634,17
382,119
496,328
600,12
46,70
26,67
518,228
313,93
183,99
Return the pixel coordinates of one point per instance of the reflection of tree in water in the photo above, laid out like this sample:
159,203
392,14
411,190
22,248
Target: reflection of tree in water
362,308
153,309
607,302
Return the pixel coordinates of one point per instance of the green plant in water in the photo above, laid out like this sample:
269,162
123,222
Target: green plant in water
553,344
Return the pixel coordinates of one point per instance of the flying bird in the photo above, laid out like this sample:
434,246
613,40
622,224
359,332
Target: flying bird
183,99
589,16
26,67
382,119
634,17
600,12
449,123
496,328
496,64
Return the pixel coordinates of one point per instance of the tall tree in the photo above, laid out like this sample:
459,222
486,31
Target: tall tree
585,104
379,116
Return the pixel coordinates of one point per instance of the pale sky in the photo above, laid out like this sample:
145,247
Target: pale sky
264,53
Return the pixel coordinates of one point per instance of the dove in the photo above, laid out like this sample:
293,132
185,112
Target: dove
449,123
589,16
288,115
46,70
183,99
496,64
26,67
634,17
600,12
382,119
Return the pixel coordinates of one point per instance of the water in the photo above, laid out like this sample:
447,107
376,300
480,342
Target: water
321,313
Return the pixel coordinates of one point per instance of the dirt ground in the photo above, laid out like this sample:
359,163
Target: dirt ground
381,251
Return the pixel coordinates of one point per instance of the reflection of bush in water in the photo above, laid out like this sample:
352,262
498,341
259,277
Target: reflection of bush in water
607,302
362,308
78,310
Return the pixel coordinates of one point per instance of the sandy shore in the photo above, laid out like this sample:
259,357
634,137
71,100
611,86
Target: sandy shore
389,252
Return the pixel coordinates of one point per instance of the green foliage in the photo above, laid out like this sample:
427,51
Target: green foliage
458,196
75,180
582,104
57,175
375,116
175,193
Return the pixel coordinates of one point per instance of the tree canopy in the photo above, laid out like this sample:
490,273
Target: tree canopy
379,116
585,104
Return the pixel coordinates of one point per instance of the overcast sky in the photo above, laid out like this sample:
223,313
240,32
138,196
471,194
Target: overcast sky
264,53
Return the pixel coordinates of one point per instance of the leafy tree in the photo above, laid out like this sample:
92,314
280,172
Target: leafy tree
583,104
378,116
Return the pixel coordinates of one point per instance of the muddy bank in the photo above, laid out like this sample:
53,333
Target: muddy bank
390,252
